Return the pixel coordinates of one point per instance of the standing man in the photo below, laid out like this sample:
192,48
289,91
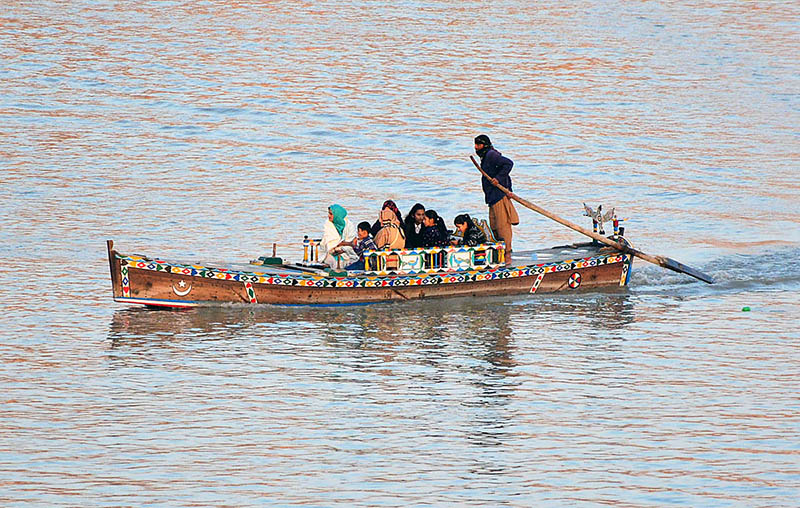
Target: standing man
502,214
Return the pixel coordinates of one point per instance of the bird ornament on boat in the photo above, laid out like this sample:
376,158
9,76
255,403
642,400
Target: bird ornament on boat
599,218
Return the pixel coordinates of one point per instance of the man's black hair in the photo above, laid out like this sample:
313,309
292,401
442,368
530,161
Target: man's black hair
483,139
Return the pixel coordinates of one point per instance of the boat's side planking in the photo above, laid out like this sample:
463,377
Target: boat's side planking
153,282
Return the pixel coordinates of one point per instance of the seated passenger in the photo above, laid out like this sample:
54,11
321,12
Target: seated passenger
338,229
391,235
378,224
471,235
413,226
435,233
362,243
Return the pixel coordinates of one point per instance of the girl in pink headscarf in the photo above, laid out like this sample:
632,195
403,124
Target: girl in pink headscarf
391,234
387,205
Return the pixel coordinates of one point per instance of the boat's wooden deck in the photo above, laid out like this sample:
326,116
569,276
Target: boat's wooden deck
555,254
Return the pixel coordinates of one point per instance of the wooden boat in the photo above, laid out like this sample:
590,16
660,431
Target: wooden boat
394,275
389,276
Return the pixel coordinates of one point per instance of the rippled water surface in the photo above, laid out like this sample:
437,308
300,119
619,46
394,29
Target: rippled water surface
211,130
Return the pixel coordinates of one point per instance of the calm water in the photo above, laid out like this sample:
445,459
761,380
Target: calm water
210,130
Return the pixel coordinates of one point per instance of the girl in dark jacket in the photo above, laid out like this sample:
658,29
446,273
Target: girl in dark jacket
471,235
413,226
435,233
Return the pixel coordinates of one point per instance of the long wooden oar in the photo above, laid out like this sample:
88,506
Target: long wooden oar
666,262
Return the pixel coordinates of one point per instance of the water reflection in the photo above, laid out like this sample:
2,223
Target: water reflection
485,325
462,341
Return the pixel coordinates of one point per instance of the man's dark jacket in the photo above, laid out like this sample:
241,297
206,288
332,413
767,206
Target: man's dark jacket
498,167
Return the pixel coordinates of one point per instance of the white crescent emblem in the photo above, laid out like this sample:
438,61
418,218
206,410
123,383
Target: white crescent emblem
179,292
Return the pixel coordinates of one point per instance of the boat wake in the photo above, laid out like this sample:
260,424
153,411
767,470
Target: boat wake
773,269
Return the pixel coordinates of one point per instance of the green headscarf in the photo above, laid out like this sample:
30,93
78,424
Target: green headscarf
339,213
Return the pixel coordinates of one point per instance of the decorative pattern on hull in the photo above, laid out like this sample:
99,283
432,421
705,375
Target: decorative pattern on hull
537,282
126,281
361,281
626,271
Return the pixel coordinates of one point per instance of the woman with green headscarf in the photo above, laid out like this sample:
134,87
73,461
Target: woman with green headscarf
338,229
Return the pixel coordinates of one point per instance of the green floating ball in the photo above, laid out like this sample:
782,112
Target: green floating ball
745,309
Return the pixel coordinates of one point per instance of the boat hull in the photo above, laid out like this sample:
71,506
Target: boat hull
142,280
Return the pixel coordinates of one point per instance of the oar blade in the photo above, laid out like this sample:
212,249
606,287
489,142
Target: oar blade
679,267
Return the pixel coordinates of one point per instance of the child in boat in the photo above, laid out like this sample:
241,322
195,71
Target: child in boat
363,242
435,233
338,229
471,235
391,234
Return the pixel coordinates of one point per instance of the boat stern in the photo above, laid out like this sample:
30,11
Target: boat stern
116,270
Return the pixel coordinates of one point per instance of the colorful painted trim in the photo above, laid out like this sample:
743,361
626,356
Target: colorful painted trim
319,281
626,270
414,261
537,282
251,294
126,282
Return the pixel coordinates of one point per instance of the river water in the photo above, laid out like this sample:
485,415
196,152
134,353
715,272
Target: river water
211,130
